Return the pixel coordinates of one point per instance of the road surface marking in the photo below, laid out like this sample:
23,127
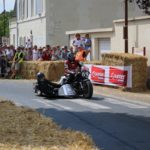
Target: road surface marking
127,104
52,104
89,104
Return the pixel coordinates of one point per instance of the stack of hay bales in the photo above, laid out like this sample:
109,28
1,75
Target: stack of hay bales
139,67
53,70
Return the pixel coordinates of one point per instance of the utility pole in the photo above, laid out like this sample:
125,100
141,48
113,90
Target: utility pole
126,28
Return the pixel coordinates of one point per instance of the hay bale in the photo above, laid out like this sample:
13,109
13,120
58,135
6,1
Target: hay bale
24,128
139,67
28,69
53,70
93,62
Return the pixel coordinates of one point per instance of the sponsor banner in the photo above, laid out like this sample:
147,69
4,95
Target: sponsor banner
98,74
118,76
111,75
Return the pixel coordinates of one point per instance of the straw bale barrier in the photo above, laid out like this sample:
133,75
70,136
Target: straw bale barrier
23,128
96,62
53,70
139,67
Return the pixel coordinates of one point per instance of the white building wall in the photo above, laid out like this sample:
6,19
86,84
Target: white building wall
13,32
117,38
139,31
12,40
70,15
26,24
38,28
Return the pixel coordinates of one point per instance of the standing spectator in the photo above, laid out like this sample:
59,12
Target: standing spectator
46,55
59,55
30,54
88,43
12,51
2,62
28,44
8,53
71,49
54,54
77,42
40,53
58,48
64,53
81,54
35,53
17,60
49,52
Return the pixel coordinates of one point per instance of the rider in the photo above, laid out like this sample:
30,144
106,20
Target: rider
45,85
71,64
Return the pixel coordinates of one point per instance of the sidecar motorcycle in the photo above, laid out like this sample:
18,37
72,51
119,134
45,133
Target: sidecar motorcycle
71,85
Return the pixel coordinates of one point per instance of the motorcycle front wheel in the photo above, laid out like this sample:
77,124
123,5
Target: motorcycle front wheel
87,89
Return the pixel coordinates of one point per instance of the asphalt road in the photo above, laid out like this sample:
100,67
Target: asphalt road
112,123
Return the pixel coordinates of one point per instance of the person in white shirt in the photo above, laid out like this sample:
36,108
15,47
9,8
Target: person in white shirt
78,41
35,53
28,44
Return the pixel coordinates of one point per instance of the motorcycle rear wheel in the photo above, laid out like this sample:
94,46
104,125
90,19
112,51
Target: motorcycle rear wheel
87,89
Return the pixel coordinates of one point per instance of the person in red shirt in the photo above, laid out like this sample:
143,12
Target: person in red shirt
46,55
72,65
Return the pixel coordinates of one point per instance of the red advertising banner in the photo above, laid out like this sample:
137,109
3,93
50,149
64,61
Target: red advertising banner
118,76
98,74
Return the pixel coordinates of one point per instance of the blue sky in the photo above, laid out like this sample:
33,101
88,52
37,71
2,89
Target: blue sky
9,5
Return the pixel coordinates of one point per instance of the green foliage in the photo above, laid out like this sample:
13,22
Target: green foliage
4,22
143,4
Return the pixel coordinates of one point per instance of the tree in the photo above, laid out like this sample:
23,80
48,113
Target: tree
4,22
143,4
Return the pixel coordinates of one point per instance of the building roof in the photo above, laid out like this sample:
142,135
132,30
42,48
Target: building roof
90,31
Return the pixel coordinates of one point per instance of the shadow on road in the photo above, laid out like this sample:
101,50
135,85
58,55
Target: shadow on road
110,131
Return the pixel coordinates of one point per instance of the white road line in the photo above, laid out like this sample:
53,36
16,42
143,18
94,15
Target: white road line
127,104
90,104
52,104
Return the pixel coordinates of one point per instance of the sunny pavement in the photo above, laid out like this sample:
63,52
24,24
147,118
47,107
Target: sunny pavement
143,97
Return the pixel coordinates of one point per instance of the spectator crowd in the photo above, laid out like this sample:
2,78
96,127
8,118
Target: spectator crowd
47,53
